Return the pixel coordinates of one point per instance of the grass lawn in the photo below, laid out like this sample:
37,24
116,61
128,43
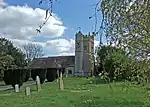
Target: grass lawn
79,92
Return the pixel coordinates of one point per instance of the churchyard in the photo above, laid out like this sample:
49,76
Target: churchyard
116,52
77,92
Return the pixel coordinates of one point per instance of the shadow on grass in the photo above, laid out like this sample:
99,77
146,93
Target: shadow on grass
97,81
49,81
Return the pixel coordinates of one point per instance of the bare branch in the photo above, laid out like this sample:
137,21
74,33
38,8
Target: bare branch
32,51
48,11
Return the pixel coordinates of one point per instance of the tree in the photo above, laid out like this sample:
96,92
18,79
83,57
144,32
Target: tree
109,59
10,56
32,51
115,64
128,23
5,60
15,54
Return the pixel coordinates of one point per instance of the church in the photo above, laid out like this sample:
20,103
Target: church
82,64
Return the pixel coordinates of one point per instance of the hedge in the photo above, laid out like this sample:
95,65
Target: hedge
14,76
7,76
51,75
1,74
27,75
38,72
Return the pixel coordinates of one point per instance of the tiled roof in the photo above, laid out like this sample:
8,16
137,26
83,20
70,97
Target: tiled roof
52,62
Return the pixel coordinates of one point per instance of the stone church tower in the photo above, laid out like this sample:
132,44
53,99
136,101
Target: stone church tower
84,54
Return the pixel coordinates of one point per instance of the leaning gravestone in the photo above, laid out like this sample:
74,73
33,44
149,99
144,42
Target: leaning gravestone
38,84
17,88
57,75
27,91
61,82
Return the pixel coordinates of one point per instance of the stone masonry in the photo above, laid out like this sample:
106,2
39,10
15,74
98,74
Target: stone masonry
84,54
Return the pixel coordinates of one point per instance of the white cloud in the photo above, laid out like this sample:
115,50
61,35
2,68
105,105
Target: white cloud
2,3
20,22
62,46
59,46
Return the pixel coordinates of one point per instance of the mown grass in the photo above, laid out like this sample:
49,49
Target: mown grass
78,92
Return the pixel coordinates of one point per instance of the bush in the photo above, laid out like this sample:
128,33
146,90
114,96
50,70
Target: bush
38,72
14,76
116,65
109,60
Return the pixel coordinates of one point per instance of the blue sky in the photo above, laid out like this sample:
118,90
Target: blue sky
73,14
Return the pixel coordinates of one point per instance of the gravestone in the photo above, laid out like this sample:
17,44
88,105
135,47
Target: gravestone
67,74
57,75
38,84
17,88
27,91
61,82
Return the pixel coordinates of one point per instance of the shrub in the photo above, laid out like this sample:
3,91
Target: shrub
109,60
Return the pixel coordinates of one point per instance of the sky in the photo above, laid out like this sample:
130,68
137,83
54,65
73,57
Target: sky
20,18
